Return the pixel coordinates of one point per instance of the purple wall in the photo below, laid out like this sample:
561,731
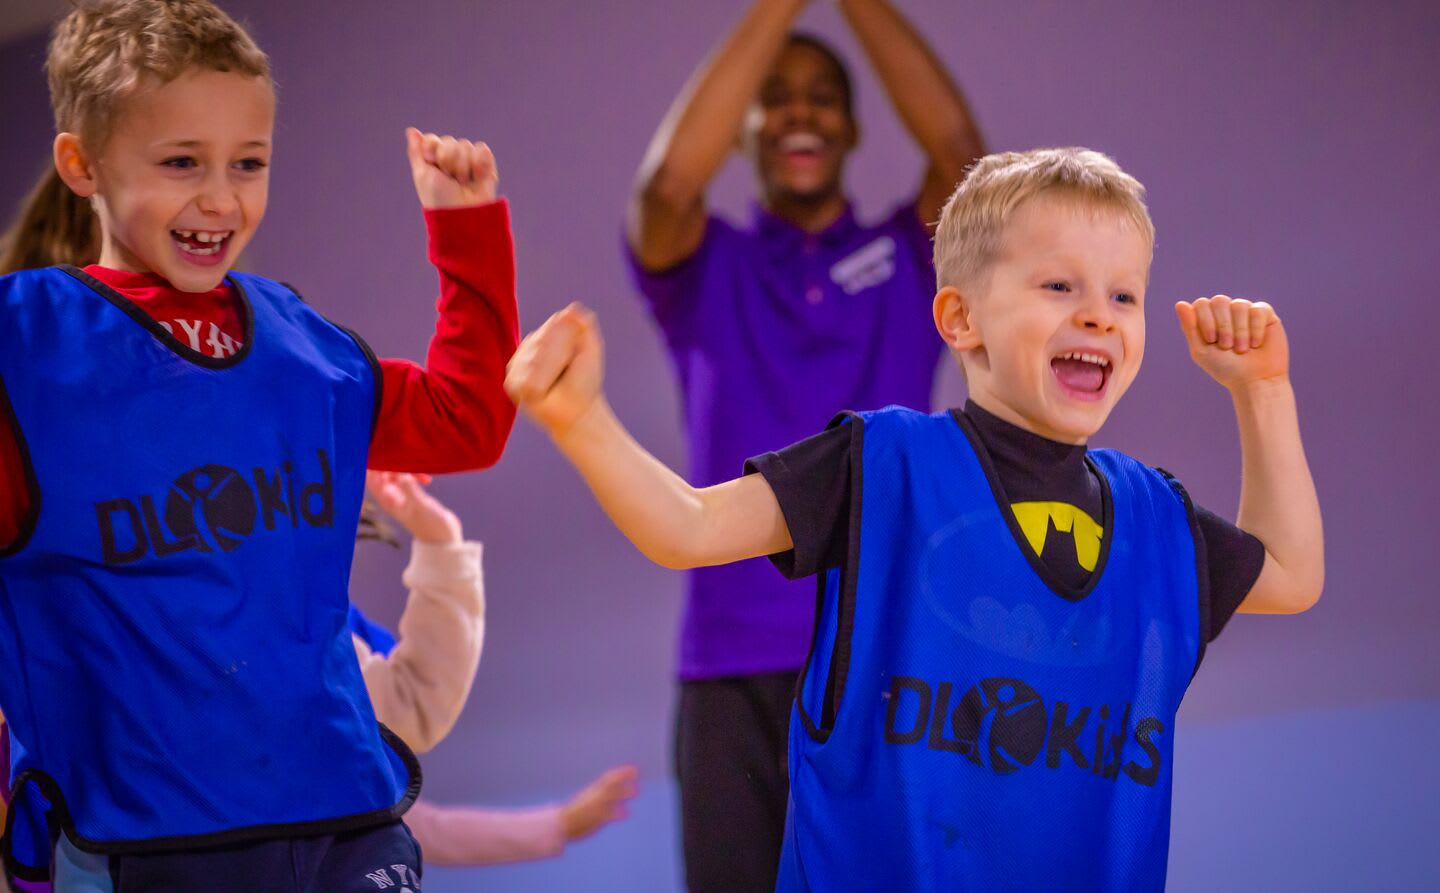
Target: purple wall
1288,156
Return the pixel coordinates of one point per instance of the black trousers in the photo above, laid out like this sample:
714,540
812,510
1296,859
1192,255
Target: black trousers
730,746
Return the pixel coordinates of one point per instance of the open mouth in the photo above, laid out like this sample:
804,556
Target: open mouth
806,146
1082,374
200,245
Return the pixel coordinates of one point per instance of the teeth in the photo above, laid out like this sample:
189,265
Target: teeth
801,142
1083,357
201,236
213,249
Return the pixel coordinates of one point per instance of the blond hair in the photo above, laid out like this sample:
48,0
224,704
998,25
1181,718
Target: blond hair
102,52
967,239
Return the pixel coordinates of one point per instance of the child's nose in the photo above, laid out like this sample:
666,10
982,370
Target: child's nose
217,196
1095,313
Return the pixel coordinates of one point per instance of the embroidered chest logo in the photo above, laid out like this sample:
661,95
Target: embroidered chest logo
866,267
214,508
1036,519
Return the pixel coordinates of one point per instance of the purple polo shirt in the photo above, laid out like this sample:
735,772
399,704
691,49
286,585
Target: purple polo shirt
772,331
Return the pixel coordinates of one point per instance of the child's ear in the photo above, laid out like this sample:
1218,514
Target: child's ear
73,166
955,319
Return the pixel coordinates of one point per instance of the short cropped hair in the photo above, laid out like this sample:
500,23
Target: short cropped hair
103,51
967,239
837,62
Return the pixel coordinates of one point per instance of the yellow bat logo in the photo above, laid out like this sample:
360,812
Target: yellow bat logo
1035,518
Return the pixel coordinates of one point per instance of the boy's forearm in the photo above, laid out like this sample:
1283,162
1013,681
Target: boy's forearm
926,98
671,522
1278,502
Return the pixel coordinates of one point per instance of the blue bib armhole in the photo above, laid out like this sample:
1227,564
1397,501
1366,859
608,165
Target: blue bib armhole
822,681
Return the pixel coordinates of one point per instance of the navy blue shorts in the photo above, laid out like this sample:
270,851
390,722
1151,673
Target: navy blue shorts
384,858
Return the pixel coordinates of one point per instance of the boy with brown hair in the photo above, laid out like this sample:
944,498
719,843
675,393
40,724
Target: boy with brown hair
175,661
1007,620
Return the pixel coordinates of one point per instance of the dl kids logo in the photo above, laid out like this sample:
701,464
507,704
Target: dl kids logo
215,508
1004,724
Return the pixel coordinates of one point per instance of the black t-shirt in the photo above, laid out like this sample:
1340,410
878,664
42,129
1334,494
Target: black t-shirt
1052,490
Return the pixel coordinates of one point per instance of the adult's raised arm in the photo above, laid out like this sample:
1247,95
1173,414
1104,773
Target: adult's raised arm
666,218
924,95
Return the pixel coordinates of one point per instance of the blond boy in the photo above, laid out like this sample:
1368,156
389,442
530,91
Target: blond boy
990,699
183,699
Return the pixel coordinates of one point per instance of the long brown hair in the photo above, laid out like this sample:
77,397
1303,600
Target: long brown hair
55,226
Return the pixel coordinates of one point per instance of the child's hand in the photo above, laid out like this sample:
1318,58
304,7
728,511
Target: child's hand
1237,342
450,172
556,372
600,803
403,498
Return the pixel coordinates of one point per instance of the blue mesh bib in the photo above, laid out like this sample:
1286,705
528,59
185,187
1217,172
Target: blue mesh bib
960,725
175,657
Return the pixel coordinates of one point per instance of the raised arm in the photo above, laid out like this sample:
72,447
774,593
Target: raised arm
419,689
1243,346
927,100
452,414
666,218
555,378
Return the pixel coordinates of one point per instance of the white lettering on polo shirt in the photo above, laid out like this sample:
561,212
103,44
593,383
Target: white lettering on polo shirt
866,267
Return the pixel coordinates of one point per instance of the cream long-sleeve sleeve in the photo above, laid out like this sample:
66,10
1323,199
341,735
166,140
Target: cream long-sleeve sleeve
419,689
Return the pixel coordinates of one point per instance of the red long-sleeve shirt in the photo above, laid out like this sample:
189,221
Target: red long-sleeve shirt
452,414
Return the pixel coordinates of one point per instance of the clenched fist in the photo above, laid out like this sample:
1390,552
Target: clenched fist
556,372
450,172
1236,342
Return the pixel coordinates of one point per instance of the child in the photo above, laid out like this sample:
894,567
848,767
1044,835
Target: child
419,683
183,589
981,711
833,307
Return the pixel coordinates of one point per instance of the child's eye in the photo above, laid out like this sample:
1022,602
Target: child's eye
1125,297
1057,286
251,165
179,163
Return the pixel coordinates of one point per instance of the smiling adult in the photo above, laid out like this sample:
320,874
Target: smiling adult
773,328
